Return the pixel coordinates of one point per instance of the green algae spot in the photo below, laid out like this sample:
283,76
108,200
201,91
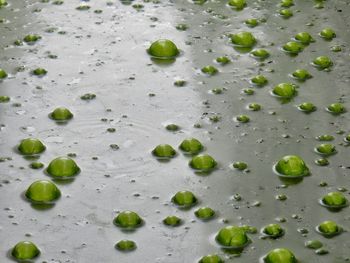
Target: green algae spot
126,245
336,108
254,107
251,22
223,60
326,149
237,4
242,118
31,146
240,166
293,47
322,62
280,255
260,54
172,127
164,151
172,221
313,244
128,220
287,3
39,72
25,250
284,90
184,199
209,70
204,213
232,237
3,74
211,259
329,229
63,168
334,200
304,38
291,166
301,74
61,114
325,137
328,34
307,107
322,162
259,80
286,13
243,39
191,146
163,49
273,231
36,165
203,162
42,192
31,38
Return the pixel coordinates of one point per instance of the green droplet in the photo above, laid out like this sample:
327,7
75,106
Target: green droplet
164,151
223,60
4,99
243,39
63,168
36,165
336,108
240,166
326,149
248,91
88,96
251,22
3,74
43,192
242,118
307,107
291,166
216,91
347,138
126,245
31,38
209,70
285,90
25,250
204,213
83,7
287,3
128,220
31,146
304,37
39,72
3,3
181,27
321,251
260,54
180,83
328,34
322,62
172,127
286,13
191,146
273,231
203,162
259,80
61,114
313,244
254,107
293,47
184,199
249,229
322,162
232,236
211,259
237,4
163,49
336,48
172,221
325,137
301,74
280,255
329,228
334,200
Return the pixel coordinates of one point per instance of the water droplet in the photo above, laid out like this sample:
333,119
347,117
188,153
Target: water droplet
184,199
191,146
32,38
243,39
304,38
322,62
232,237
240,166
31,146
25,250
126,245
251,22
287,3
334,200
128,220
204,213
3,3
88,96
259,80
3,74
273,231
291,166
284,90
329,229
163,49
61,114
248,91
4,99
336,108
63,168
36,165
211,259
321,251
280,255
209,70
313,244
301,74
181,27
242,118
172,127
172,221
223,60
325,137
328,33
307,107
42,192
164,151
260,54
293,47
39,72
203,162
237,4
325,149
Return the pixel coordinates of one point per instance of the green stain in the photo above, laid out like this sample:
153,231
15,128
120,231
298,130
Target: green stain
63,168
260,54
4,99
3,74
165,151
291,166
329,228
61,114
273,231
25,250
243,39
328,34
322,62
209,70
307,107
163,49
237,4
313,244
326,149
280,255
301,74
259,80
31,146
251,22
286,13
191,146
172,221
126,245
39,72
211,259
42,192
285,90
334,200
232,237
336,108
32,38
203,162
304,38
293,47
184,199
204,213
128,220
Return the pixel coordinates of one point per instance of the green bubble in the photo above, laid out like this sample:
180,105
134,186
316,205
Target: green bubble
248,91
313,244
243,39
31,146
334,200
254,107
287,3
301,74
126,245
25,250
204,213
251,22
273,231
325,137
240,166
172,221
232,237
291,166
322,162
3,74
163,49
336,108
242,118
32,38
191,146
322,62
280,255
304,37
172,127
293,47
39,72
286,13
164,151
184,199
260,54
329,228
328,33
307,107
42,192
211,259
4,99
63,168
326,149
203,162
36,165
223,60
61,114
259,80
237,4
209,70
128,220
285,90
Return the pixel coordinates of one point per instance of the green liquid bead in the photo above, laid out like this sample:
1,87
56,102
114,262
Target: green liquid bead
259,80
88,96
191,146
216,91
328,34
287,3
334,200
204,213
307,107
31,146
273,231
313,244
336,48
240,166
172,221
31,38
184,199
223,60
163,49
36,165
39,72
237,4
304,37
63,168
4,99
322,162
25,250
326,149
280,255
61,114
232,236
243,39
347,138
126,245
301,74
285,90
172,127
3,3
254,107
293,47
211,259
164,151
209,70
260,54
242,118
248,91
182,27
336,108
329,228
128,219
291,166
325,137
322,62
203,162
251,22
249,229
83,7
3,74
43,192
286,13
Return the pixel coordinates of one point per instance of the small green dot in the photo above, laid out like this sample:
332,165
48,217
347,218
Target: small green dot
248,91
240,166
163,49
128,220
210,70
301,74
243,39
63,168
223,60
322,162
88,96
204,213
42,192
172,127
325,137
242,118
165,151
326,149
181,27
203,162
172,221
328,34
280,255
232,236
126,245
39,72
291,166
61,114
285,90
322,62
4,99
31,146
307,107
273,231
254,107
184,199
251,22
287,3
191,146
32,38
3,74
336,48
336,108
237,4
211,259
216,91
260,54
3,3
293,47
286,13
36,165
259,80
25,250
304,38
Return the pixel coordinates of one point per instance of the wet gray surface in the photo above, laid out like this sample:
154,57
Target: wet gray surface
105,54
